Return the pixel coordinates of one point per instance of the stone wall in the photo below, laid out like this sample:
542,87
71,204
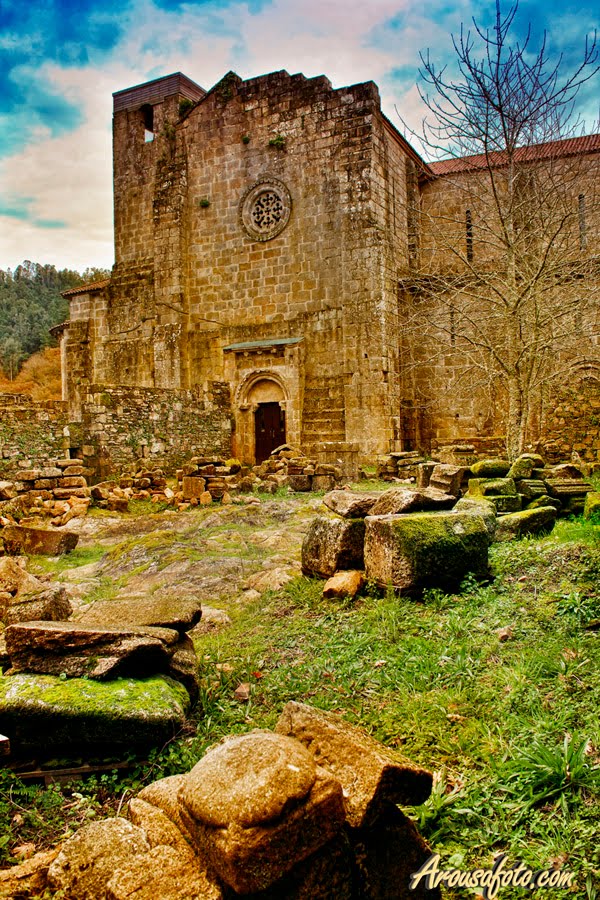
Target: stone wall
31,431
118,425
123,424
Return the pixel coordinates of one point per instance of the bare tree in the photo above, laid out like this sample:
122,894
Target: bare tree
508,282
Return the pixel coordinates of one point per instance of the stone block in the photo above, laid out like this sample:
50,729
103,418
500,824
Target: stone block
447,479
29,879
371,775
164,795
386,854
51,604
73,481
490,468
299,483
424,471
164,873
350,504
192,487
49,713
323,482
87,860
333,543
488,487
66,493
592,506
407,500
7,490
344,584
24,539
528,521
424,550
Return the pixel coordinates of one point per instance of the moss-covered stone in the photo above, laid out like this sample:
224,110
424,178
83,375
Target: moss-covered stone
544,500
528,521
524,465
492,487
424,550
490,468
47,712
591,509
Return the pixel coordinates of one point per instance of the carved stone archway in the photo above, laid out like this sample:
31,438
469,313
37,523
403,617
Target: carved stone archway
258,392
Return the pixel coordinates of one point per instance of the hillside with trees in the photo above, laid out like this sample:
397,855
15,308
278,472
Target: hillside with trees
30,304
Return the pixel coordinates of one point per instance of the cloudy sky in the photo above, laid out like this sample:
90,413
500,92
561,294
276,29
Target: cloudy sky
60,61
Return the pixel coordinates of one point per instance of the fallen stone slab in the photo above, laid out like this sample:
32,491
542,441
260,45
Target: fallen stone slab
402,500
528,521
333,543
423,550
48,713
94,651
257,805
370,775
180,613
16,580
350,504
25,539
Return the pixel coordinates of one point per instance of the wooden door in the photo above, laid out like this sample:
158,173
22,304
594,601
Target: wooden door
269,429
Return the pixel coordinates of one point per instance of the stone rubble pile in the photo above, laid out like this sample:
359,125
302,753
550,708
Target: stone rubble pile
401,466
205,480
145,484
288,467
307,812
409,538
57,492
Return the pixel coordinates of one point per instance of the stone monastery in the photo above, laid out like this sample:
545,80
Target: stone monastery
269,235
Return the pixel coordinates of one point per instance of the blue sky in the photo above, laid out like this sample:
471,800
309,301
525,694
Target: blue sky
61,60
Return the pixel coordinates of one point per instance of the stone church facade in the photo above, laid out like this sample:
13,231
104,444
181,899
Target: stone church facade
264,231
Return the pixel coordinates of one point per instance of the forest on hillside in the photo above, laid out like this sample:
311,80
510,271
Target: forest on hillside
30,304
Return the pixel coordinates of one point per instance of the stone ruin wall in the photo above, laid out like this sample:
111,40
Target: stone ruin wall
118,425
31,430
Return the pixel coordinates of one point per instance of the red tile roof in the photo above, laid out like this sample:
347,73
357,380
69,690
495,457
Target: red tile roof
589,143
87,288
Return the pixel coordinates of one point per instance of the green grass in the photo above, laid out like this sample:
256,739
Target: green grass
510,727
81,556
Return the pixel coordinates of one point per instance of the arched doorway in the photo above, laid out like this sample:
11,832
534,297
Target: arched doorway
269,429
264,401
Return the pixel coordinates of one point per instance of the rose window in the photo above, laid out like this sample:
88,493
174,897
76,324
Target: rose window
265,209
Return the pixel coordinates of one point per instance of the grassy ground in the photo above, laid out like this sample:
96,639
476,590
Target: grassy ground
496,689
